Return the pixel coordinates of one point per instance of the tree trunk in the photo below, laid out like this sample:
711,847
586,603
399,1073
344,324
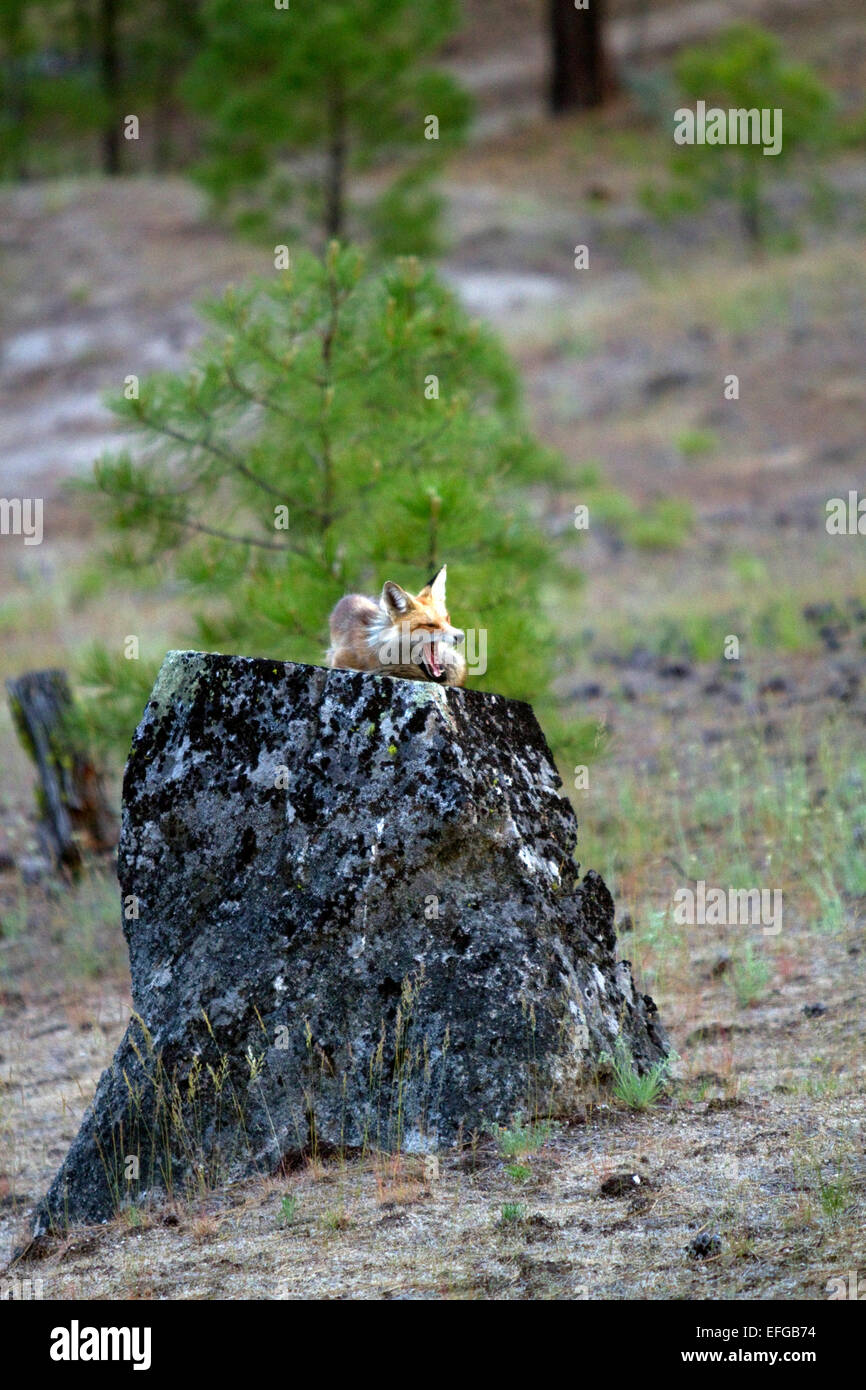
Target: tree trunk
109,67
81,21
162,125
336,174
17,94
580,76
750,210
76,814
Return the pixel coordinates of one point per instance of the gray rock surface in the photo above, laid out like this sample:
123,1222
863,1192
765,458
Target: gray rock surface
359,923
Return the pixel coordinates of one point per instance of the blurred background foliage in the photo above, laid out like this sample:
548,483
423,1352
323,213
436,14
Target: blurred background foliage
330,129
287,123
273,129
744,69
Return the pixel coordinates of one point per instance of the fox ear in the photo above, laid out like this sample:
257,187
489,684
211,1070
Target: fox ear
437,586
395,599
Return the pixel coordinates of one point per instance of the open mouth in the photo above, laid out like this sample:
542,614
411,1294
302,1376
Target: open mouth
430,662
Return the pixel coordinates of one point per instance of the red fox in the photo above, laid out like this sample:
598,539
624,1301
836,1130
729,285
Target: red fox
400,634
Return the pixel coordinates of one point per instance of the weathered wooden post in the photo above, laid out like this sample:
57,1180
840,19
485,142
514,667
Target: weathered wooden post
76,815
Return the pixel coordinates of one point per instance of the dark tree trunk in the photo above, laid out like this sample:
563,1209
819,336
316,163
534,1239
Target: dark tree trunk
182,32
74,806
336,171
751,220
109,68
580,76
83,30
162,126
16,89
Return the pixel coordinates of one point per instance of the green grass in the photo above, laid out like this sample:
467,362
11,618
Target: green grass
696,443
748,569
336,1220
834,1195
762,302
660,525
520,1139
750,976
758,818
665,525
780,626
92,940
512,1214
14,920
788,816
638,1092
576,743
694,635
288,1209
84,919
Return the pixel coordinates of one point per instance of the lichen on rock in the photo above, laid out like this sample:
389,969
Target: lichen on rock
359,924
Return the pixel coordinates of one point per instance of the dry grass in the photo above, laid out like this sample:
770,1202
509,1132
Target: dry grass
758,1142
759,1181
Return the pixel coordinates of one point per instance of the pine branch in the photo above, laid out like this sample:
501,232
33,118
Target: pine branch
191,525
224,455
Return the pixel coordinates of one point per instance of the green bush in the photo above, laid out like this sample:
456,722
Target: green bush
743,69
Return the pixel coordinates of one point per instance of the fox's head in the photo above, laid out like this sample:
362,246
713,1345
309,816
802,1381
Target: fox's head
421,642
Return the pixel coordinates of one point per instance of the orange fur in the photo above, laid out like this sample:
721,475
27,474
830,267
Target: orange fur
399,634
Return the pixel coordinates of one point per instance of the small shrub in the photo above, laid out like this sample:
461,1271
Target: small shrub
750,976
523,1138
336,1220
834,1195
512,1214
743,68
638,1092
694,443
288,1209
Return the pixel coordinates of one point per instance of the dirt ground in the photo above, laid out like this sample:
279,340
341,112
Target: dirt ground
761,1147
759,1140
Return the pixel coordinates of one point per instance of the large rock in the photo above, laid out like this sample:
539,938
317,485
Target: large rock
359,923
